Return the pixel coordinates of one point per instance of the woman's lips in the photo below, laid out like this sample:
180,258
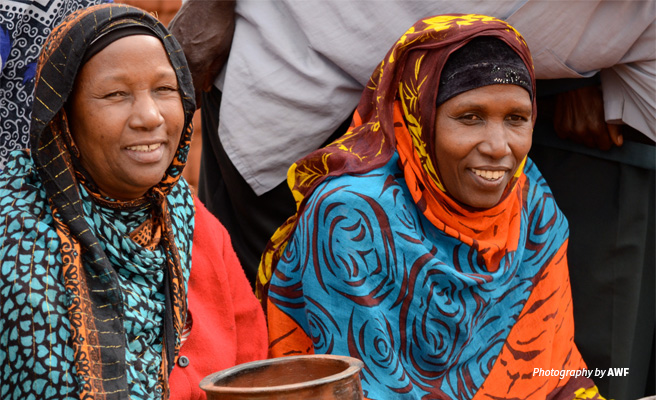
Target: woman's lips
489,175
144,147
146,153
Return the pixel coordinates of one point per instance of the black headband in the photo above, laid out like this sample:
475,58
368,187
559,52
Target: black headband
481,62
112,33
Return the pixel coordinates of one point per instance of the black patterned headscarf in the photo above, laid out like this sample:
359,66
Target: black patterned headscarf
89,275
482,61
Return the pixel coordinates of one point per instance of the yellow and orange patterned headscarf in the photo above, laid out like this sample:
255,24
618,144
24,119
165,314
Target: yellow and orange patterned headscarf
396,114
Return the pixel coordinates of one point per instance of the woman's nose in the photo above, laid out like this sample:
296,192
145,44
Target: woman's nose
146,113
495,142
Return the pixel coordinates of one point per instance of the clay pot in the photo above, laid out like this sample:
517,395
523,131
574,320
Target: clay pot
310,377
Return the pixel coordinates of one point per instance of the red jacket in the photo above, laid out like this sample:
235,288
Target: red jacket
228,323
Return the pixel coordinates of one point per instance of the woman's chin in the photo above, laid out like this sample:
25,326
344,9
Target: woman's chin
482,201
131,189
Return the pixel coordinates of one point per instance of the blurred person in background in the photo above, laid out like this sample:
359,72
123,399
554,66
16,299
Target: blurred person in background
24,27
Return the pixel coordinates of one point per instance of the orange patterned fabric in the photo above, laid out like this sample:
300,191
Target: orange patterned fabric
147,235
547,314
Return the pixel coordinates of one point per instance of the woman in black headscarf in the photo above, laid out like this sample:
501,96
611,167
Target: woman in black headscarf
97,224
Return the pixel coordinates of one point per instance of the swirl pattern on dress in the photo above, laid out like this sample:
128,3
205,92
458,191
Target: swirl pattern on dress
366,275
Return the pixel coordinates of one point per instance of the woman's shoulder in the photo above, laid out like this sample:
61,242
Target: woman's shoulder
536,184
26,222
205,221
211,239
21,191
357,210
383,185
539,201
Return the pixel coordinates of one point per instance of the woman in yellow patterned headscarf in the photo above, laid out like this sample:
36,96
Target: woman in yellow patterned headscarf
447,280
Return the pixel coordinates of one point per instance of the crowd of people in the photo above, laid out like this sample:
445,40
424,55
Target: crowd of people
444,190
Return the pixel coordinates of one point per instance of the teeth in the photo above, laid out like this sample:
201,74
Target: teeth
145,147
489,175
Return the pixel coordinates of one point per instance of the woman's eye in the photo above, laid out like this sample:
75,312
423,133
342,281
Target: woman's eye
469,118
117,93
167,89
517,118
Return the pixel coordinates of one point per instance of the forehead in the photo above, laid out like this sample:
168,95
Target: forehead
133,56
492,95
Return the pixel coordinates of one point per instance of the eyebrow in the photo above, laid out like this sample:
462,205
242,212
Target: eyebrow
479,106
523,109
160,74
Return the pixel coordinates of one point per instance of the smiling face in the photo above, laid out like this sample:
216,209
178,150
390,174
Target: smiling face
126,116
481,138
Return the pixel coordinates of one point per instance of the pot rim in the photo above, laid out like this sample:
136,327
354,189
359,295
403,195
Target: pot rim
207,383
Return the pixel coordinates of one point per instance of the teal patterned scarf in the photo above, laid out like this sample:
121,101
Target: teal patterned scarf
93,290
